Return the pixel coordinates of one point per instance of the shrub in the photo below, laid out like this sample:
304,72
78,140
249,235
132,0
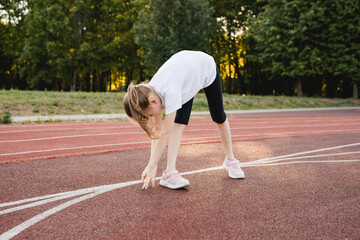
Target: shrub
5,118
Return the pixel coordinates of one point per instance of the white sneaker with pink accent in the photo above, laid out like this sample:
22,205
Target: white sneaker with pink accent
173,180
233,167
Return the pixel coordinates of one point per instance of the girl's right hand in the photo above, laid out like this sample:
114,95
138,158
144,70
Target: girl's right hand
148,176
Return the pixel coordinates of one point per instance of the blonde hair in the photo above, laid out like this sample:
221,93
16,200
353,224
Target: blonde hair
136,103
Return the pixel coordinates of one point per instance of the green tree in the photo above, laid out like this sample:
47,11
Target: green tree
286,34
341,44
12,14
228,46
164,27
47,45
78,45
311,43
6,60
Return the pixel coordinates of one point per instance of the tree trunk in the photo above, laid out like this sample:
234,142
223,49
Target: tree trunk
240,79
229,83
94,81
73,84
102,77
142,74
299,87
108,88
87,82
355,90
129,74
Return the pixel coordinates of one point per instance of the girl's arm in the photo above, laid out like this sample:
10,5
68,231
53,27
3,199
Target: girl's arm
157,148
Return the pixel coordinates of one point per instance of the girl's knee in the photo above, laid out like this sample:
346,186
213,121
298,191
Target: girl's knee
219,119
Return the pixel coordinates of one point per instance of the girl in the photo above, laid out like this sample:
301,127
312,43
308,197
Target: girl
174,85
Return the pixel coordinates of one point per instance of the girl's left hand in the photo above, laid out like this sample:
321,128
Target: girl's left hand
148,176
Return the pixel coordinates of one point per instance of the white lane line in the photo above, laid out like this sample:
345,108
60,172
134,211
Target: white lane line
287,157
301,132
184,139
232,122
243,164
73,193
67,129
21,227
95,191
312,156
31,200
189,130
74,148
34,204
70,136
296,162
67,124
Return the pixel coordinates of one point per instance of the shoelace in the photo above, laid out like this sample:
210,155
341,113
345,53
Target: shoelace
234,164
176,176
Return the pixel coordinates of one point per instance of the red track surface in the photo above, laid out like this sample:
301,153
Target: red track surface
302,180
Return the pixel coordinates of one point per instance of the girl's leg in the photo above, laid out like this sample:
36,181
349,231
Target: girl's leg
215,100
225,135
173,146
181,120
171,177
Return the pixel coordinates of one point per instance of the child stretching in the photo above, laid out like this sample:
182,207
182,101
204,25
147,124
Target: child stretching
174,85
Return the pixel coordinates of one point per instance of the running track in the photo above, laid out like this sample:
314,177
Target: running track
80,180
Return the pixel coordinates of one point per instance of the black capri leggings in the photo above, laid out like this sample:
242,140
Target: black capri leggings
215,101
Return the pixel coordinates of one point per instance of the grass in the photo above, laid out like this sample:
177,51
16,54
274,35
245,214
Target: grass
38,103
43,103
236,102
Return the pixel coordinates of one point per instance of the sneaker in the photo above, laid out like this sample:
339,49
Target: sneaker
173,180
233,167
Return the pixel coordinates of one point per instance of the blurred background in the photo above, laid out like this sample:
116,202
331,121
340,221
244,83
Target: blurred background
264,47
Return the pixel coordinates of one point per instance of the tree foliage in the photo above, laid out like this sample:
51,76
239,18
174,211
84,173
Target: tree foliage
76,45
165,27
261,47
228,46
12,14
302,40
342,43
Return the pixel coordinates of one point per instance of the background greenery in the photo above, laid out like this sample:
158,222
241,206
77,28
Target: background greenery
263,47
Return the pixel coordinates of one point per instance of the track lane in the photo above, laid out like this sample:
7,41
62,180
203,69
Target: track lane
280,198
40,141
41,136
302,182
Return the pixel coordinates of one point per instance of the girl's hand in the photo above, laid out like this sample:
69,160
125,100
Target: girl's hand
148,176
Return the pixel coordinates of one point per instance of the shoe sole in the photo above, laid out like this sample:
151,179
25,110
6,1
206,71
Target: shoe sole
172,186
232,176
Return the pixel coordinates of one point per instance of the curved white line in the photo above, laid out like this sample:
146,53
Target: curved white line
302,153
92,192
34,204
296,162
312,156
21,227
